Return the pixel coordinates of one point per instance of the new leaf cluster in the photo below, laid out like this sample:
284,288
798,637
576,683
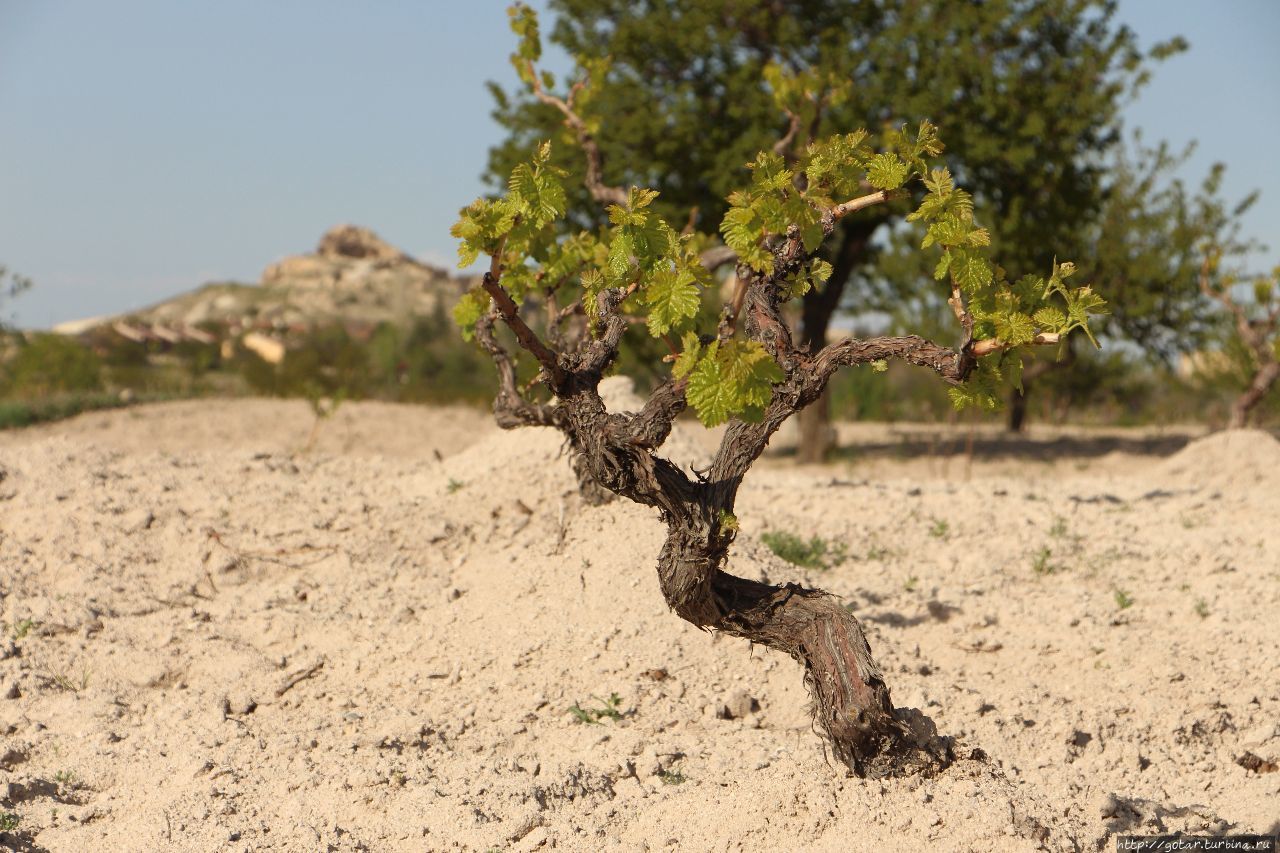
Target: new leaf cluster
639,253
658,273
1015,315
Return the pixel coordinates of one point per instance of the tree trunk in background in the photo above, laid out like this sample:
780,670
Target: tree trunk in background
1244,404
1018,407
1030,373
817,437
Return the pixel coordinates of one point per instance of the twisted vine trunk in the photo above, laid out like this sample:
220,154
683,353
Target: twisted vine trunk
851,704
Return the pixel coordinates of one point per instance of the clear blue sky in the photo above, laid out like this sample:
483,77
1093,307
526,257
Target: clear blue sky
151,145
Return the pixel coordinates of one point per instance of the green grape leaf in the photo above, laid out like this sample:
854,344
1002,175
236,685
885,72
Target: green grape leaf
540,195
1050,319
770,172
981,390
978,237
1081,303
743,229
593,282
971,271
468,311
732,378
620,251
707,392
740,228
639,198
672,297
750,371
688,357
480,227
944,262
812,236
820,271
1015,328
886,171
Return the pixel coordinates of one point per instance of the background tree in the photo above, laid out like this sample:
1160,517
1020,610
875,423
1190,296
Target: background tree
1028,94
747,370
1255,330
1144,250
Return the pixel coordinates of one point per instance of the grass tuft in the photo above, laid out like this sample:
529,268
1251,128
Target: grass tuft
816,553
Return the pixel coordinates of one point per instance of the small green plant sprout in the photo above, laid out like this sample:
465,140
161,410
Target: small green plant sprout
21,629
453,485
608,709
1123,599
1040,562
1256,329
1058,530
744,369
672,776
66,777
323,407
815,553
9,822
911,583
64,681
939,529
876,551
1202,608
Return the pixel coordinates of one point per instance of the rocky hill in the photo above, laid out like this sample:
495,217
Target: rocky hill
353,277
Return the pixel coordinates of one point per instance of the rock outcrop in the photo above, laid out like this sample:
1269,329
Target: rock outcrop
354,278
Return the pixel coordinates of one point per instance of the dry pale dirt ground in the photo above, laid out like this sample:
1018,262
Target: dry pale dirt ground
211,641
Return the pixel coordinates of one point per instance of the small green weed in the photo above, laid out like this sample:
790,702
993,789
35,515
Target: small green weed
1202,608
1123,599
816,553
609,709
454,485
323,407
22,628
940,529
1059,528
1040,562
911,583
672,777
876,551
66,682
8,821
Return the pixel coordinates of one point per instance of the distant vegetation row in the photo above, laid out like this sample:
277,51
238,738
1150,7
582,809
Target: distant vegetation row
46,376
49,376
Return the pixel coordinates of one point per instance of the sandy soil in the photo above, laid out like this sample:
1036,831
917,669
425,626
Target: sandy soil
211,641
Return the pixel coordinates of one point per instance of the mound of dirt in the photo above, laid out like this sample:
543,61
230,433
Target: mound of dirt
1242,458
352,651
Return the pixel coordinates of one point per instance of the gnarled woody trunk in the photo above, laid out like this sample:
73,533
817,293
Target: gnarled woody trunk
851,703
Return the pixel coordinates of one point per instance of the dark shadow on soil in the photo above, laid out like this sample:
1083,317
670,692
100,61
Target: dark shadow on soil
22,842
1005,447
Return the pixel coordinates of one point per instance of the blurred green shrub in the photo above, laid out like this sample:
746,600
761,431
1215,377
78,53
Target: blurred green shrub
46,364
